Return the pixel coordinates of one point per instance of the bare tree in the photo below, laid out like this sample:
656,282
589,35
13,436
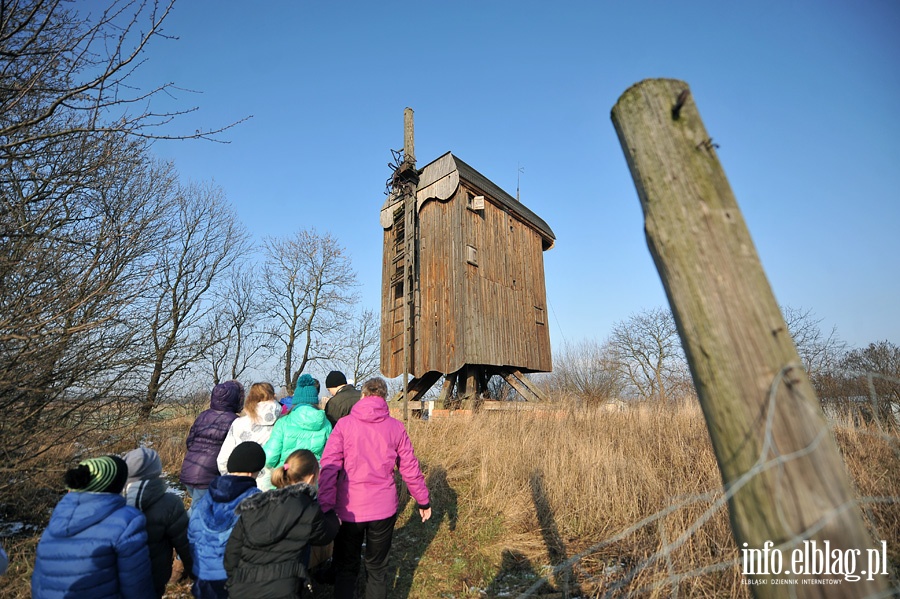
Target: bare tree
205,242
308,284
586,370
66,73
81,206
873,372
356,347
78,233
819,352
647,353
236,331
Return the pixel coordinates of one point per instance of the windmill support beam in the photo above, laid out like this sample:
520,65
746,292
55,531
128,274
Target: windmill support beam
518,381
418,386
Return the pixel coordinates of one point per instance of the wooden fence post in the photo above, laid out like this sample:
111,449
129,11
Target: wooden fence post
777,456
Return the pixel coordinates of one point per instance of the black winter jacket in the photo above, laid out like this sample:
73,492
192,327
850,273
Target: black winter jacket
262,557
167,525
339,406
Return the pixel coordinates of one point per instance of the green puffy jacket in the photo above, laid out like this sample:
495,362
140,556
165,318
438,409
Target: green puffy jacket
304,427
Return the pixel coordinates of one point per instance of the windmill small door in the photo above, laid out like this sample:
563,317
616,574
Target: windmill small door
479,303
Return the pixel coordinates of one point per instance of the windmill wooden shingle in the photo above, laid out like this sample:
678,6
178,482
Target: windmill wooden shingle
480,304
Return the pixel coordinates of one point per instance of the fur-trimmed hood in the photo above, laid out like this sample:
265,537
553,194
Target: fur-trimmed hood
261,500
271,516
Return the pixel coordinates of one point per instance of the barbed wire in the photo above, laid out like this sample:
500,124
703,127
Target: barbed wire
769,458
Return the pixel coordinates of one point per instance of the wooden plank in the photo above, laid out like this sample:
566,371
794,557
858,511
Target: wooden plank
447,390
512,406
524,390
538,394
418,387
468,380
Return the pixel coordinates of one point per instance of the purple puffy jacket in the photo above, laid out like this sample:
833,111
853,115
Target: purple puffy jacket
208,432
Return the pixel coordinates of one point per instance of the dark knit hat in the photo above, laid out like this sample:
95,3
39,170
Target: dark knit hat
143,463
105,474
335,378
306,391
247,457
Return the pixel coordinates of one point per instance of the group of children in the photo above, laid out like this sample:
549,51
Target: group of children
254,511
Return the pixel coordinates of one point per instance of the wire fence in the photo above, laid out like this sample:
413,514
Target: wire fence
882,422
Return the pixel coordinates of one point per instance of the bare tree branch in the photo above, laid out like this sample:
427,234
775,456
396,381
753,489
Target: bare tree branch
307,286
206,240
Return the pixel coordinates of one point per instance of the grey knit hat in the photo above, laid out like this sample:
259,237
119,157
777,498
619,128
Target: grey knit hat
143,463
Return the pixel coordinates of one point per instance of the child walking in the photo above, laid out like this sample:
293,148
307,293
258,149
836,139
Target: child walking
358,483
264,556
167,521
261,410
304,427
206,436
94,545
214,516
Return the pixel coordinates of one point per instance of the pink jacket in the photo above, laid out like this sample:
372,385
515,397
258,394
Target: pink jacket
357,477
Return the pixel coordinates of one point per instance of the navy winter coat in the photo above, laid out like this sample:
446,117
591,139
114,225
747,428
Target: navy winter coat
94,546
212,520
206,436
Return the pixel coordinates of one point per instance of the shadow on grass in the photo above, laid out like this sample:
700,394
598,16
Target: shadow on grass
516,574
411,540
556,547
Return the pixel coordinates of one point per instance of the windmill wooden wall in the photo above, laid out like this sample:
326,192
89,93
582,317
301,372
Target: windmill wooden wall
481,297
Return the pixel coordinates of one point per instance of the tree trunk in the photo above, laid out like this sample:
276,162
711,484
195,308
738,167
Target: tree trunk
152,391
775,451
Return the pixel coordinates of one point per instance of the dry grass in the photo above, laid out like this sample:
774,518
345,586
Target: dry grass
32,494
558,486
516,494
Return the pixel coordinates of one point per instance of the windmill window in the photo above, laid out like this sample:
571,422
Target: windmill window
471,255
538,315
473,202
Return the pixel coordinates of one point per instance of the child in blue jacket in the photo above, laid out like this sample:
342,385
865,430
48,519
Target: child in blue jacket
94,545
214,516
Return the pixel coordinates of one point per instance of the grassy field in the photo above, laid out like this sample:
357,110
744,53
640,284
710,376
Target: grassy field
573,503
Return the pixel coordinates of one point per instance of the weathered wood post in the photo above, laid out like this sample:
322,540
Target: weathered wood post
775,451
409,179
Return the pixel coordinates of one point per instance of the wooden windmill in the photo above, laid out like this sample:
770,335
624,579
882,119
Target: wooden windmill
463,291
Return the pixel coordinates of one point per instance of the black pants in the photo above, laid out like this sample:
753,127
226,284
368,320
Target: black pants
347,545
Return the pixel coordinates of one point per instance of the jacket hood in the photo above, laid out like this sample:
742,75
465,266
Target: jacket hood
143,462
227,397
266,530
307,417
144,493
228,487
371,409
225,493
76,512
267,412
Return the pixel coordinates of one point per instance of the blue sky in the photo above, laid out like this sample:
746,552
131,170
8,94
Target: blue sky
803,98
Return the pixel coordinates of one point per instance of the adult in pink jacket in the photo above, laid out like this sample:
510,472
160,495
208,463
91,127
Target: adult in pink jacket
357,481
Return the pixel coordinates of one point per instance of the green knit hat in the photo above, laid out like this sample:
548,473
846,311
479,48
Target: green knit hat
106,474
